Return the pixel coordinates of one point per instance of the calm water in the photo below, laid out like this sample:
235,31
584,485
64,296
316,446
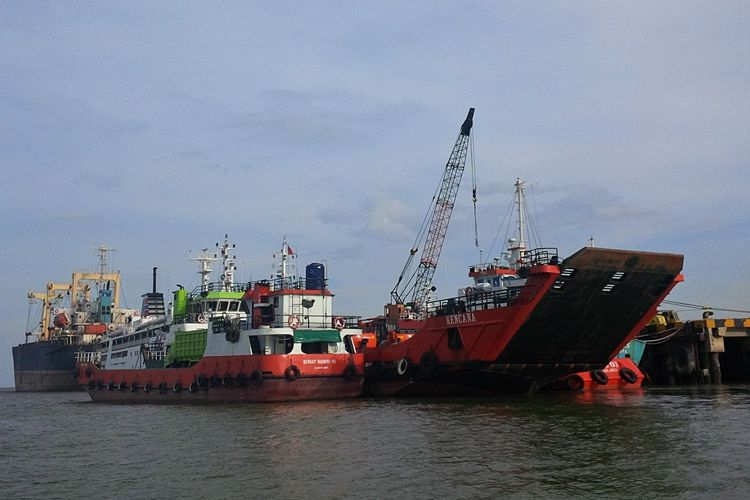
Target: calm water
662,443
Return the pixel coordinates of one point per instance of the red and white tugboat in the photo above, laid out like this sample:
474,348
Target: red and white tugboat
271,340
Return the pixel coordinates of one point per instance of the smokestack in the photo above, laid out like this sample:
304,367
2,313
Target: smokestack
154,287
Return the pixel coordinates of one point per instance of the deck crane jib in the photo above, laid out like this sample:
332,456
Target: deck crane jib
416,288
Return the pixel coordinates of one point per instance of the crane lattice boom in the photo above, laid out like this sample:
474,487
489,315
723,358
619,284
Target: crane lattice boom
438,227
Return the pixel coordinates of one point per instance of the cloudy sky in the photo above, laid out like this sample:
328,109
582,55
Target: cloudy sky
157,127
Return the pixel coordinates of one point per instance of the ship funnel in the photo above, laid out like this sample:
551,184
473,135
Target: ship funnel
154,281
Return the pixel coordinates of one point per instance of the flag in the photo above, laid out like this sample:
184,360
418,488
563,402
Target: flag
289,250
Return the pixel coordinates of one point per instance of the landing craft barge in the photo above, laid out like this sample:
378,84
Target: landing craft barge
272,340
584,312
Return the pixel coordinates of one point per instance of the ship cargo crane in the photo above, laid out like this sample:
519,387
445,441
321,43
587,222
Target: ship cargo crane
418,286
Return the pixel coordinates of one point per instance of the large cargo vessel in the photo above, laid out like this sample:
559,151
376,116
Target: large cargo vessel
71,320
271,340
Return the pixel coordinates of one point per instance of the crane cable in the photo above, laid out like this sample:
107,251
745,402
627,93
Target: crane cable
415,247
474,195
698,306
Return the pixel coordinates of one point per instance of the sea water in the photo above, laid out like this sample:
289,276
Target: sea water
659,443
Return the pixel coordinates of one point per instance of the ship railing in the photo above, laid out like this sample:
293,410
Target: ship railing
219,286
306,321
540,256
476,301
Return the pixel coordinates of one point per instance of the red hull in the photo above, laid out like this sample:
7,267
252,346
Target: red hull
232,379
447,347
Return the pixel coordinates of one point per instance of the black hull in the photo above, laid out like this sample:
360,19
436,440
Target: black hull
45,366
591,313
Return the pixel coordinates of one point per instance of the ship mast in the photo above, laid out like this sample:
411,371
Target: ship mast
227,265
517,248
286,269
205,261
103,250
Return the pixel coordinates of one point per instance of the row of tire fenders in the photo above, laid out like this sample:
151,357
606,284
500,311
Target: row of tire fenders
600,377
256,377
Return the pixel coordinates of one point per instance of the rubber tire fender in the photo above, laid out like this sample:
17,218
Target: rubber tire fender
599,377
428,361
628,375
350,372
291,373
256,377
574,383
177,387
402,366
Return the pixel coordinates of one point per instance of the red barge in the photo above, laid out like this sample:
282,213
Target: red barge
520,326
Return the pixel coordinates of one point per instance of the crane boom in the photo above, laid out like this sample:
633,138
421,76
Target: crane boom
438,227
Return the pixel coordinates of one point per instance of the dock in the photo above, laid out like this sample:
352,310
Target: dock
704,351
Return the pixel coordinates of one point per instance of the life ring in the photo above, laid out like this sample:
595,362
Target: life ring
241,380
574,383
122,385
193,387
201,318
134,386
291,373
147,387
256,377
402,366
628,375
428,361
177,387
350,372
599,377
226,380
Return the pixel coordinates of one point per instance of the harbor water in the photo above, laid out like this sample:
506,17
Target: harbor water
661,443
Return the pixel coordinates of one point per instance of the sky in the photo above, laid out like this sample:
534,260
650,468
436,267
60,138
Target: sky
156,128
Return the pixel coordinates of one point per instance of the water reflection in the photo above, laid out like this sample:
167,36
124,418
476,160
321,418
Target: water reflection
653,443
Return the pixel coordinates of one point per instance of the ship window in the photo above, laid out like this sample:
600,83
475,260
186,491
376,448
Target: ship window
495,281
315,347
211,305
234,306
223,305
